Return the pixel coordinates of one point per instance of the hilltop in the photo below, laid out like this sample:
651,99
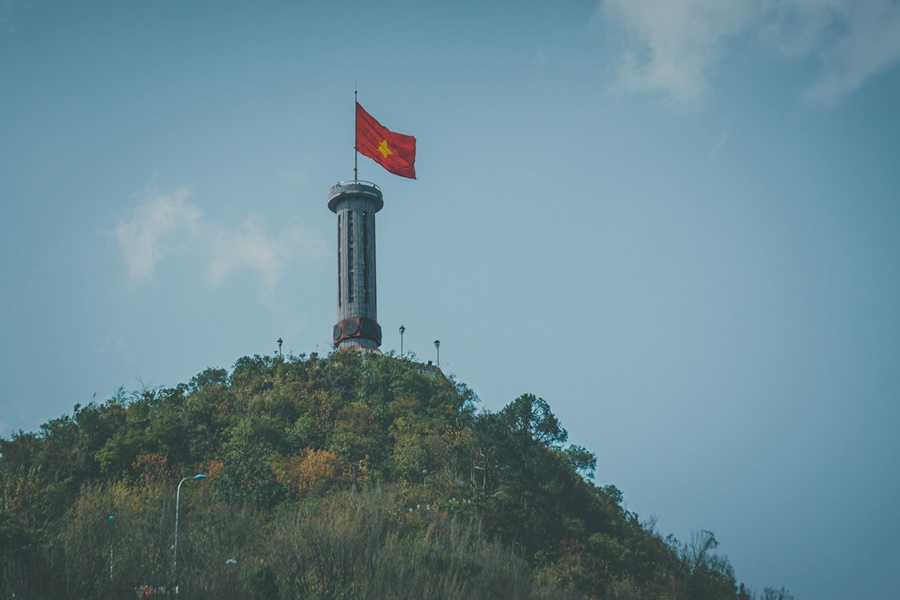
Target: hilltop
348,476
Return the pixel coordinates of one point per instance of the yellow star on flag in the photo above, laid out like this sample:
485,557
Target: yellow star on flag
383,148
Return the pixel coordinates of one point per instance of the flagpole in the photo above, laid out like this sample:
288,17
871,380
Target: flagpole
355,134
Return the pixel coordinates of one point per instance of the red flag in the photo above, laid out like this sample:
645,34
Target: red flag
393,151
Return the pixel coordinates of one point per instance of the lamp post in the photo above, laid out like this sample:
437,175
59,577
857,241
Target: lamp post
437,344
111,519
177,503
402,331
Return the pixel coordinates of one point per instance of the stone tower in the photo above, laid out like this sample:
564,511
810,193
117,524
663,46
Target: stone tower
355,203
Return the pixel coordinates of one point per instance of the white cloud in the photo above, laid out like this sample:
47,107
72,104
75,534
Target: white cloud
674,46
248,247
853,40
164,225
143,234
251,247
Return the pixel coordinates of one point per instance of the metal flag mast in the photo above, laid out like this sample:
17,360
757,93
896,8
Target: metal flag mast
355,134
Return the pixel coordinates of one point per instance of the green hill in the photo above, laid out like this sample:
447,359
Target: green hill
351,476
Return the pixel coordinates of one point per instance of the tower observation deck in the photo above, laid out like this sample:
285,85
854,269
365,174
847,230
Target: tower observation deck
355,203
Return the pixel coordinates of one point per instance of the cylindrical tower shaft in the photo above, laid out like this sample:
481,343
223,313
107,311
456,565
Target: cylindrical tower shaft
355,203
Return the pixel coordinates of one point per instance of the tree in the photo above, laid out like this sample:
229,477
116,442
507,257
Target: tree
357,435
248,477
582,460
529,419
770,593
316,488
313,472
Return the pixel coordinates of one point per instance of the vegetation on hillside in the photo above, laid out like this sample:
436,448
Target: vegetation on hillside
351,476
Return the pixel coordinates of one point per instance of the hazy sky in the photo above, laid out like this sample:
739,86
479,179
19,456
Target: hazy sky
675,220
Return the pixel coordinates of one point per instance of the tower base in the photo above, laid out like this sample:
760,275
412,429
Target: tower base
357,331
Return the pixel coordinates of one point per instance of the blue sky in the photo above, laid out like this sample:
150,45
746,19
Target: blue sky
675,220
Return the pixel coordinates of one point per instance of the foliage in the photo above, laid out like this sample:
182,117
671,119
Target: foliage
349,476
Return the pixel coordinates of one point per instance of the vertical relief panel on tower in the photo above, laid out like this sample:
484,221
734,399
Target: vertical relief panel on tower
355,203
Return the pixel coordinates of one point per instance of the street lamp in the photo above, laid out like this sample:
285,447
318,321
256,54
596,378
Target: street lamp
177,503
111,519
437,344
402,331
